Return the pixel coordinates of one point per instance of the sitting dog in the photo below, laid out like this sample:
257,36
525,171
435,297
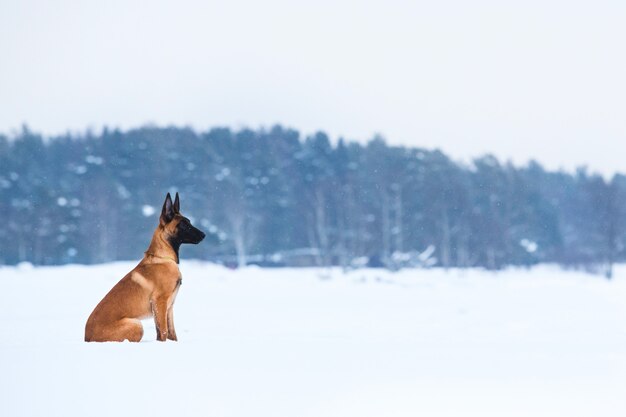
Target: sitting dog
148,290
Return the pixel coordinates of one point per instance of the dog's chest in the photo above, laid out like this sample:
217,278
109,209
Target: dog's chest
179,282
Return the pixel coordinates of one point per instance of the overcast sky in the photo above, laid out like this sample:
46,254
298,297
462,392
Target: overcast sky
519,79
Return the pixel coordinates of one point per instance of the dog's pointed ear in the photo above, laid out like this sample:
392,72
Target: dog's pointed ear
167,212
177,204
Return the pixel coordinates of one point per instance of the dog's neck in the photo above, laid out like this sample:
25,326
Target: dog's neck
162,248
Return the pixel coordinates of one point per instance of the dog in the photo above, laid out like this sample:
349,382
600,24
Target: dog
149,290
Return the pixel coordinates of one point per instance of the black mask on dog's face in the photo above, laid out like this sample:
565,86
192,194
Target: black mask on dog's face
179,227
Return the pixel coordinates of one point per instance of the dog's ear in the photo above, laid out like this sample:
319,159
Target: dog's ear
167,212
177,204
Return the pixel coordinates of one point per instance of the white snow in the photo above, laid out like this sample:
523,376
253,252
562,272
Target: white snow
147,210
529,245
95,160
318,342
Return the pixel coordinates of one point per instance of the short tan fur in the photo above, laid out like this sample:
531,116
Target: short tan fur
150,289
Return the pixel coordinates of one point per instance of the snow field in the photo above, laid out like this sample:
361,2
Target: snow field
320,342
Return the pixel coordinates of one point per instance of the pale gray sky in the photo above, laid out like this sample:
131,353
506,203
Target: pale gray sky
520,79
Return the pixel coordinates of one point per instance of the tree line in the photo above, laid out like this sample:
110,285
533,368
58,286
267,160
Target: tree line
273,197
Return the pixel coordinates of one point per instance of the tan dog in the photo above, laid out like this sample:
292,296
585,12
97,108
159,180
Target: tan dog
148,290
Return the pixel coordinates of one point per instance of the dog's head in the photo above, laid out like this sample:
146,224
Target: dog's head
177,227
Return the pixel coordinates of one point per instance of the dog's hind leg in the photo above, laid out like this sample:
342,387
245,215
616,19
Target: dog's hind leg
124,329
128,329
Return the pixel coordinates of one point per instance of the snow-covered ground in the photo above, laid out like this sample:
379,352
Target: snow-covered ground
316,342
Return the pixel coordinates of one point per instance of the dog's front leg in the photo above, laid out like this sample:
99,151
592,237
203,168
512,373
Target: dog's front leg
159,310
171,331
